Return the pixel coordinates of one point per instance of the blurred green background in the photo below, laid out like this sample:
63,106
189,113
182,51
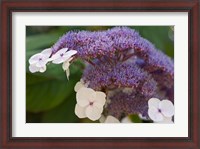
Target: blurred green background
50,97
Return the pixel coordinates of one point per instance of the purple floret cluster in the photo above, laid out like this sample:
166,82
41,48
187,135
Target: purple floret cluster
127,67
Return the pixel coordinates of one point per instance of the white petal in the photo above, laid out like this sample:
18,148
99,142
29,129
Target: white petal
62,51
93,113
47,52
102,119
80,111
78,86
111,119
153,102
58,60
167,108
33,68
100,98
98,105
126,120
67,73
41,63
155,115
35,58
42,69
69,54
54,57
84,96
167,120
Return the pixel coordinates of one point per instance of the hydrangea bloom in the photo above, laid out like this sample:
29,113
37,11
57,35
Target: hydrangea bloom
120,63
79,85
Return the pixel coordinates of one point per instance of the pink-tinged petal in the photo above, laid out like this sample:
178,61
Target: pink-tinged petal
69,54
167,108
98,105
42,69
78,86
35,58
93,113
167,120
33,68
111,119
155,115
84,96
41,63
58,57
62,51
47,52
58,60
54,57
100,98
80,111
102,119
153,102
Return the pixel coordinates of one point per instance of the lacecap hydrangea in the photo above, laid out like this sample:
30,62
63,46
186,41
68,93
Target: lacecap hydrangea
120,64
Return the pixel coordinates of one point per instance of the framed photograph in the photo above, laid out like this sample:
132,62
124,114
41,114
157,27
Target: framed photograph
100,74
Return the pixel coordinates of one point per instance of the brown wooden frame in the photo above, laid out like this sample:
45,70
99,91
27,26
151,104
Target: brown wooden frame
9,6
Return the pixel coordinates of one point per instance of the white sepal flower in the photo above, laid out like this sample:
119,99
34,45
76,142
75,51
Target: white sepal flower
160,110
62,55
33,68
79,85
126,120
167,120
38,61
111,119
89,103
65,67
102,119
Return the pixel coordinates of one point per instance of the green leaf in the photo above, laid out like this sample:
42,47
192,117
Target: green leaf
33,117
41,41
135,118
46,93
31,79
64,113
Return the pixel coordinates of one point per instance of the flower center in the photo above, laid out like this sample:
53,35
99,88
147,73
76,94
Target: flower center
159,110
40,59
91,103
61,54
